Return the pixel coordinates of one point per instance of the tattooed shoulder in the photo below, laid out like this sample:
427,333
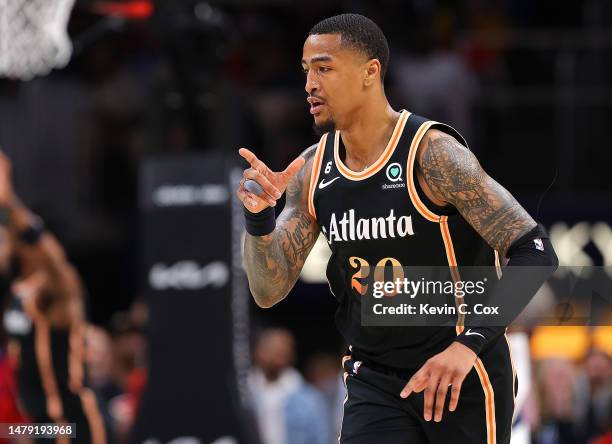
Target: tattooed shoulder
297,187
454,175
447,166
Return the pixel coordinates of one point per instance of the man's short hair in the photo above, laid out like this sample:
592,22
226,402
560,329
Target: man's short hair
359,32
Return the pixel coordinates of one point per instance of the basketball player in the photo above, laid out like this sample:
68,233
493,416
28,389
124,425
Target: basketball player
374,163
45,322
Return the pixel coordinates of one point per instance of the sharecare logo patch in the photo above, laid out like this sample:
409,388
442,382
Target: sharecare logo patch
394,172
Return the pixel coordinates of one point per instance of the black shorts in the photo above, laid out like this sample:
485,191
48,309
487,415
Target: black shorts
375,413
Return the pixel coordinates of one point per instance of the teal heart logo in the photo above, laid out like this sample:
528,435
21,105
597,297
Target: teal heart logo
394,172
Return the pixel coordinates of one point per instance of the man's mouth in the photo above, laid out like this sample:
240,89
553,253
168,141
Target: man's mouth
316,105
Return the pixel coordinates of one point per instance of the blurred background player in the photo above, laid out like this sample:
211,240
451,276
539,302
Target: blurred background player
46,323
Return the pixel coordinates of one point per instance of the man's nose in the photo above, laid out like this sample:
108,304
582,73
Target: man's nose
311,83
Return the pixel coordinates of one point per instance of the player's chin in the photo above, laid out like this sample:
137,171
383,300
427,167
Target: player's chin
323,124
319,119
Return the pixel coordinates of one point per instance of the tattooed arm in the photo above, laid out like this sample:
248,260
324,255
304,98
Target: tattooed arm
454,176
273,262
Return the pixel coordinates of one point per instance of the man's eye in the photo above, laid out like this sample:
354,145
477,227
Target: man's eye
324,69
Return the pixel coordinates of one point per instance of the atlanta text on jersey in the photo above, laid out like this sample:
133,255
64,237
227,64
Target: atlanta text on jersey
351,228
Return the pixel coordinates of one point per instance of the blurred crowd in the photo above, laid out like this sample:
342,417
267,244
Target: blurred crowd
229,76
568,400
220,76
116,363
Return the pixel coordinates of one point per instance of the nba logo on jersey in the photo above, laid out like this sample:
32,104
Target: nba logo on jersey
538,244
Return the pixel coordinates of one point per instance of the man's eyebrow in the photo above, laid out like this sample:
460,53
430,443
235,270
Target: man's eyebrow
318,59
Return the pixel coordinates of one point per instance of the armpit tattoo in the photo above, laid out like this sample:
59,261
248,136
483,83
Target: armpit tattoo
454,174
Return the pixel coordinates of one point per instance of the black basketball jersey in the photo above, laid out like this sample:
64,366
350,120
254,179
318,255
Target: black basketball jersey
381,217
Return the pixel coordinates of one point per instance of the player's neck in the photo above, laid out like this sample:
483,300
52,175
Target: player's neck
368,135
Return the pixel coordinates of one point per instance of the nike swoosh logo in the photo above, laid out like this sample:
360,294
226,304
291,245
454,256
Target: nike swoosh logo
470,332
323,184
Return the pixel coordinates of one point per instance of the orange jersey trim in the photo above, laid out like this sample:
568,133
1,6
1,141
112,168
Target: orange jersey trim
489,401
381,161
314,175
412,192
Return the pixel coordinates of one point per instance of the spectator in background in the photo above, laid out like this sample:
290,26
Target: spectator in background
99,360
574,379
129,367
324,372
557,378
593,394
288,410
525,408
606,437
436,81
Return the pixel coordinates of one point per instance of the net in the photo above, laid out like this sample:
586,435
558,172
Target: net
33,37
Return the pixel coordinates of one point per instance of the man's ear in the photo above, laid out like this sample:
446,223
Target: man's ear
372,72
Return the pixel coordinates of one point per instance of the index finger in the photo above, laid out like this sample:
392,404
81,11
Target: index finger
408,389
415,384
250,157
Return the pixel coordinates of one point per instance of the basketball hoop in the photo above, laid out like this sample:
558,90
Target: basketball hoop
33,37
